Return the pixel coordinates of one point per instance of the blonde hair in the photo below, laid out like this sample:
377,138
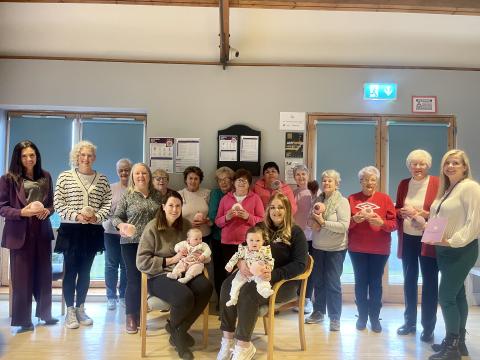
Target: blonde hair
284,231
444,180
192,231
131,182
75,153
224,170
334,174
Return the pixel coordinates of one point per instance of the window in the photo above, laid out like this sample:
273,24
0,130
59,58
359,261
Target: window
116,136
347,143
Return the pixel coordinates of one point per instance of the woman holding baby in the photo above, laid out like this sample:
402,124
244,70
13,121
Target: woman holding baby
26,202
238,210
415,195
82,199
289,251
136,208
372,221
329,244
157,257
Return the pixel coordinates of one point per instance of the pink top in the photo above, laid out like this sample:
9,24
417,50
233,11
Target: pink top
234,230
265,193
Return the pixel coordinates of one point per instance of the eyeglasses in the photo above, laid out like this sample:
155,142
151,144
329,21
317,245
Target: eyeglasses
242,181
158,178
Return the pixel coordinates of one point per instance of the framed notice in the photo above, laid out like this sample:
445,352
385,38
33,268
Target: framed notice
161,153
424,104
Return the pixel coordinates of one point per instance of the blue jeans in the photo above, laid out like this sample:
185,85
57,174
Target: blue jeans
326,273
113,260
368,270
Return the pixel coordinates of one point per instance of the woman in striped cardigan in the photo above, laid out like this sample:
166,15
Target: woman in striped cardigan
83,199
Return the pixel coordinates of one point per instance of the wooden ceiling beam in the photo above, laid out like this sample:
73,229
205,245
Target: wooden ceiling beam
459,7
224,10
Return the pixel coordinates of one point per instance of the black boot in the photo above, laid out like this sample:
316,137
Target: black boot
177,339
462,347
189,340
449,350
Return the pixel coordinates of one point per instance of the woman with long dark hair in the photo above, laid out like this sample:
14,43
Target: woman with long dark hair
156,257
26,202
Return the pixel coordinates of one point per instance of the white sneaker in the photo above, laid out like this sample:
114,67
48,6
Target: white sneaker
71,321
82,316
122,301
241,353
226,349
307,309
111,304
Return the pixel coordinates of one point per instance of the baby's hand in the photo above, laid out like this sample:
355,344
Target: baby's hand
229,268
201,258
183,251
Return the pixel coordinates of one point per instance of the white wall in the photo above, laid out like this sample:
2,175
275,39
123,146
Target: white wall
196,101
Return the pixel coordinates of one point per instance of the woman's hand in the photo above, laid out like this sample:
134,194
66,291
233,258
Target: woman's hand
229,215
28,212
375,220
244,214
44,214
82,219
318,219
358,218
266,274
175,259
243,268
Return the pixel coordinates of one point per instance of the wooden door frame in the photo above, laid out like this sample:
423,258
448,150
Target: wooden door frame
392,292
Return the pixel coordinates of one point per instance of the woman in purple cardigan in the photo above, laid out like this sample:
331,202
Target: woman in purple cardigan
26,202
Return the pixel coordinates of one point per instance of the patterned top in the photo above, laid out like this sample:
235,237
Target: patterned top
71,196
136,209
250,257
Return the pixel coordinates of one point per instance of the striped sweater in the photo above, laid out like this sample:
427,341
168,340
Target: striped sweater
71,196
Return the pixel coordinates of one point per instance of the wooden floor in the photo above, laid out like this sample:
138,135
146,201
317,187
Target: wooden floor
106,339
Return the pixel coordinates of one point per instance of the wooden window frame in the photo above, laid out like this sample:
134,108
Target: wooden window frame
391,292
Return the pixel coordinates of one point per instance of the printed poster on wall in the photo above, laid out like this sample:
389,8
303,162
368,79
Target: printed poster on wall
294,145
249,148
187,153
227,147
289,165
161,153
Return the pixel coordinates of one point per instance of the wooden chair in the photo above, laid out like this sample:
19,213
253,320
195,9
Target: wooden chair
268,311
165,307
57,275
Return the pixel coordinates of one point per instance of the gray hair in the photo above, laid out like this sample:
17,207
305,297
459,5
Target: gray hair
75,153
161,172
224,170
124,161
300,167
368,170
334,174
419,155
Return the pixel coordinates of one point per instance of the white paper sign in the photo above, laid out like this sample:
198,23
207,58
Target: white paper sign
289,165
292,121
227,147
187,153
161,153
249,148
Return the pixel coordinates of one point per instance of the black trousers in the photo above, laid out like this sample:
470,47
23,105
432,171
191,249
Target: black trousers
187,301
76,277
134,279
241,318
226,251
411,257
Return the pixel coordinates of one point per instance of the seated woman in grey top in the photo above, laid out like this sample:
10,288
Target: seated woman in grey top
329,243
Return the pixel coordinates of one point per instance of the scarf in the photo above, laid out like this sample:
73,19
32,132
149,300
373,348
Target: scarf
331,203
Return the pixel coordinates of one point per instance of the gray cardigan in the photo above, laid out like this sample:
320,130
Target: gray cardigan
333,236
